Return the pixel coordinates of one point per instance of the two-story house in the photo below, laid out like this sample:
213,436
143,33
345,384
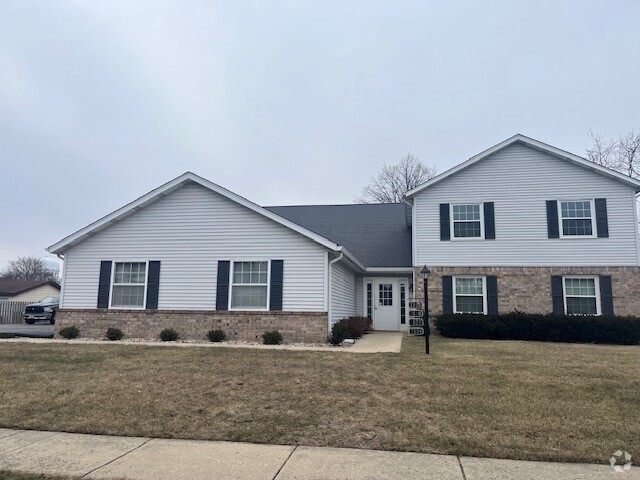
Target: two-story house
522,226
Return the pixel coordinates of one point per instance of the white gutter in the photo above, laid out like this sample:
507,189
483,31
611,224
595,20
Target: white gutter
331,262
389,269
350,257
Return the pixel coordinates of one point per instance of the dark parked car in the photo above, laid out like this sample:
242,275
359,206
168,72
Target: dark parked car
43,310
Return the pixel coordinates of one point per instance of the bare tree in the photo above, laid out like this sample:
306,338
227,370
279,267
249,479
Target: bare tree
395,180
622,155
28,268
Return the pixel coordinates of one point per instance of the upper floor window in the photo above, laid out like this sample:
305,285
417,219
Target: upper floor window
250,285
469,295
581,295
577,218
128,288
467,220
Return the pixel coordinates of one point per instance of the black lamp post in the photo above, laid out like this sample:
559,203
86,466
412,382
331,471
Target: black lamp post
424,273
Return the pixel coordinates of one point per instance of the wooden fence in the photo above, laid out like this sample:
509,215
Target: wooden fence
11,312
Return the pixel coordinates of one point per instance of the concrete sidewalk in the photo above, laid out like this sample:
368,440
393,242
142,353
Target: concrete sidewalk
98,456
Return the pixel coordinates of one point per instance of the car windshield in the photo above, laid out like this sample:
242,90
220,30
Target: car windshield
50,300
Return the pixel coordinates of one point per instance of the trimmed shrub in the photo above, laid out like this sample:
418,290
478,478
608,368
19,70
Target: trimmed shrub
114,334
216,336
69,332
357,326
7,335
339,332
609,329
272,338
350,327
168,335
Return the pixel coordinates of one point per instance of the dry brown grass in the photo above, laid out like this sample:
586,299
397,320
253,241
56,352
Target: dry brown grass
521,400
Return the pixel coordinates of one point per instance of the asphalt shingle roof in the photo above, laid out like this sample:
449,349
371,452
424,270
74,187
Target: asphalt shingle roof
10,287
376,234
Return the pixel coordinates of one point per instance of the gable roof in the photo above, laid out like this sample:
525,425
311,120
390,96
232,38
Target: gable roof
171,186
11,287
376,234
537,145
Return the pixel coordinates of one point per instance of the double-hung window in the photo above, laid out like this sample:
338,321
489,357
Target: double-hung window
467,220
470,295
577,218
129,285
581,295
250,286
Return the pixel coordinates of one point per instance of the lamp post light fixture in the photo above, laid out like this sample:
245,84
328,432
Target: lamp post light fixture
424,273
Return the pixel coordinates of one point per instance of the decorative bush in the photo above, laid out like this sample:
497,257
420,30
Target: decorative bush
339,332
69,332
168,335
544,328
357,326
272,338
350,327
216,336
114,334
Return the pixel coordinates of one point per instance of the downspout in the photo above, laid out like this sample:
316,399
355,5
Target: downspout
331,262
64,265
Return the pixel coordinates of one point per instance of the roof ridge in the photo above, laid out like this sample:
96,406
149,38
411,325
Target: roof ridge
334,205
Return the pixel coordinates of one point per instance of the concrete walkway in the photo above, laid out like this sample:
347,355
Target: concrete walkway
378,342
374,342
97,456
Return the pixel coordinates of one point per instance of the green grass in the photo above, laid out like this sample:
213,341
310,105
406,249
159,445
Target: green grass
520,400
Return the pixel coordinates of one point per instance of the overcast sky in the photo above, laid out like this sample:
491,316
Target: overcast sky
286,102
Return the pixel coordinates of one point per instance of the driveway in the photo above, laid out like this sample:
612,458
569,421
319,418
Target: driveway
42,330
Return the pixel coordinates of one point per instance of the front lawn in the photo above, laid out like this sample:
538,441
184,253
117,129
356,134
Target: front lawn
521,400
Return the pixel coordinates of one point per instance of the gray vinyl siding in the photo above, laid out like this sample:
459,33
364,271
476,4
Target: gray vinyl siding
519,180
189,231
343,292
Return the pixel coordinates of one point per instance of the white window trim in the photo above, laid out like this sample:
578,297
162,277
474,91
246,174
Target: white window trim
597,285
253,309
146,284
452,222
594,227
484,292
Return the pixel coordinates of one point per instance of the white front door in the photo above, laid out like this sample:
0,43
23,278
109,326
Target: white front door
386,304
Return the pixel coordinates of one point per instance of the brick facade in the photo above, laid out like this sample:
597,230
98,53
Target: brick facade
308,327
528,289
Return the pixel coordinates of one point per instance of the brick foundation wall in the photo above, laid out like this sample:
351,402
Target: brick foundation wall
307,327
528,289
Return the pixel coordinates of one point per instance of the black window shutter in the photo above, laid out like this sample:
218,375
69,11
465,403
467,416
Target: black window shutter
602,222
492,295
447,294
222,289
153,285
275,290
606,295
445,224
553,228
489,221
104,284
557,294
